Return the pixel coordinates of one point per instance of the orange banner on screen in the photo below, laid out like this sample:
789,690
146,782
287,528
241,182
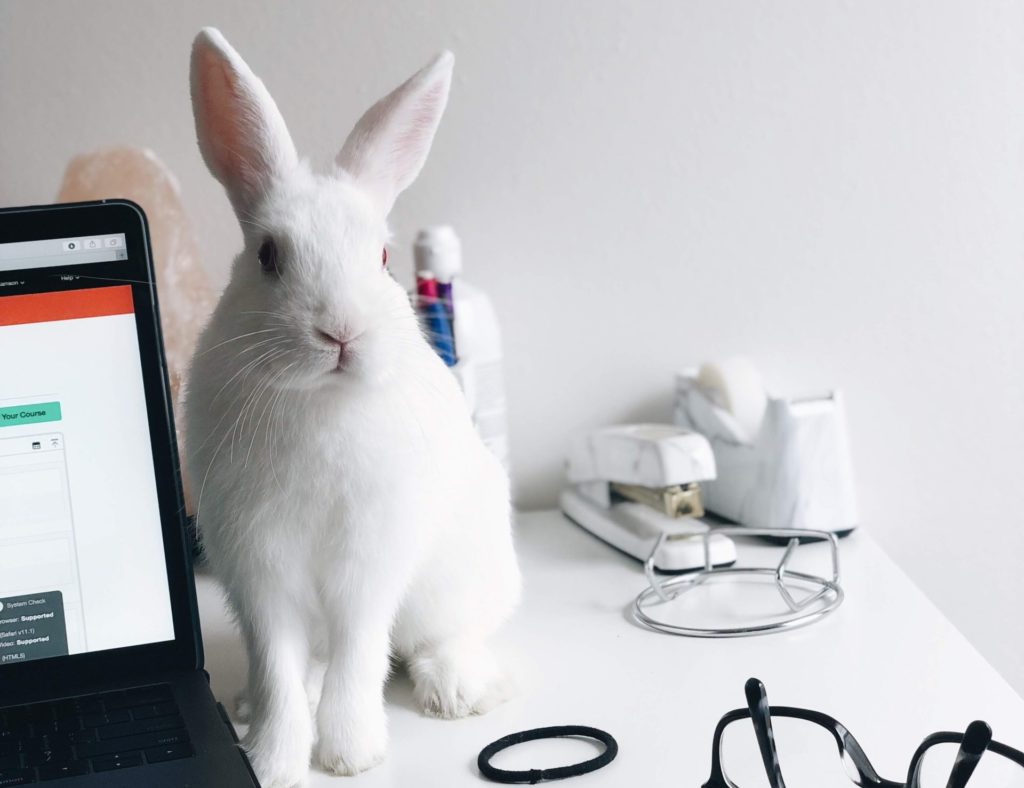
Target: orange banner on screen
65,305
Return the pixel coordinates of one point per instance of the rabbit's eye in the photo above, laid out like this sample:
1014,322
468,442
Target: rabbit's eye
384,257
267,256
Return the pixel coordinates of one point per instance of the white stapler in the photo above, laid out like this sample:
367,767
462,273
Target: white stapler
630,484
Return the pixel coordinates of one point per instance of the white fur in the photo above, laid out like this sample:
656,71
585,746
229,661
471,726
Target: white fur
351,513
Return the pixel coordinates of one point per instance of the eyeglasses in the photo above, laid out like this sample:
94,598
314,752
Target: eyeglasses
807,740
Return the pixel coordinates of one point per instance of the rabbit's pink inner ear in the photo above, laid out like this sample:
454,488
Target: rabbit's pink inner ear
388,146
241,133
221,132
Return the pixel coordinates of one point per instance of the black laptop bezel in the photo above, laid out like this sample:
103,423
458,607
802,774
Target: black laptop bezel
107,217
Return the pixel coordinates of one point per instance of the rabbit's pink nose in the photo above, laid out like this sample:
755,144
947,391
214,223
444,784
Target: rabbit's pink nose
329,338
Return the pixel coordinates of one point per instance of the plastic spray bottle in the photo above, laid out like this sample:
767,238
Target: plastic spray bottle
474,329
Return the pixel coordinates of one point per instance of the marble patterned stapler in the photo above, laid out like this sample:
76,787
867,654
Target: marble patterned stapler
630,484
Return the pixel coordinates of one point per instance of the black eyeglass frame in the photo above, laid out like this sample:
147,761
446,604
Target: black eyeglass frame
974,742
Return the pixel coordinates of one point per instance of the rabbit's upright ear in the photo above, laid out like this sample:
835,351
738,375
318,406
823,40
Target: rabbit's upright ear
386,149
241,133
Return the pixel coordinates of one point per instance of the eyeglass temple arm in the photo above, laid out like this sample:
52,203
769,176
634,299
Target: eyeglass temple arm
972,747
760,715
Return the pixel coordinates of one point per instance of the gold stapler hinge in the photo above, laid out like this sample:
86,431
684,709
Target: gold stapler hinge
677,500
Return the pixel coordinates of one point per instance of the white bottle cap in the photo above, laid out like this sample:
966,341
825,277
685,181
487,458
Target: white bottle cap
438,250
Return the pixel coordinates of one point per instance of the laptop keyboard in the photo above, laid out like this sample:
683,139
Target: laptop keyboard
92,733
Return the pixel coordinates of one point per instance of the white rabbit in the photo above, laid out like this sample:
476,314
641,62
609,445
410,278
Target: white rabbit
344,498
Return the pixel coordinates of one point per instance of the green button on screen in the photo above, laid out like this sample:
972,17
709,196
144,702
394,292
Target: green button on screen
35,413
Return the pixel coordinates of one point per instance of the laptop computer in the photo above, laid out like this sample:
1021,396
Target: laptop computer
101,660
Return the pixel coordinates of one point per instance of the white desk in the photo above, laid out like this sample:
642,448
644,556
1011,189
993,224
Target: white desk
886,664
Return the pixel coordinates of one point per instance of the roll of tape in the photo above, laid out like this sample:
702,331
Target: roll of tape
735,386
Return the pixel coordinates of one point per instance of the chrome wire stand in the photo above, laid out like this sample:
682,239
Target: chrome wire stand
826,594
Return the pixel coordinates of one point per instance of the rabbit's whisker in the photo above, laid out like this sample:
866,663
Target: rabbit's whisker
234,339
244,370
273,427
256,429
249,407
237,428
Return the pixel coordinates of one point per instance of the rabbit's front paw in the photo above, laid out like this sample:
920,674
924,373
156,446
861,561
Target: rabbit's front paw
280,760
350,746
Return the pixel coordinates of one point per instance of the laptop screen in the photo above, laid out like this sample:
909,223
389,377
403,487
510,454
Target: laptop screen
82,564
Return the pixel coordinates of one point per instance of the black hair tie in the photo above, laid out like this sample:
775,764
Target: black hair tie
532,776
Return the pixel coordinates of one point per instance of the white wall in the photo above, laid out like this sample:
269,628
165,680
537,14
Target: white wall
835,189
